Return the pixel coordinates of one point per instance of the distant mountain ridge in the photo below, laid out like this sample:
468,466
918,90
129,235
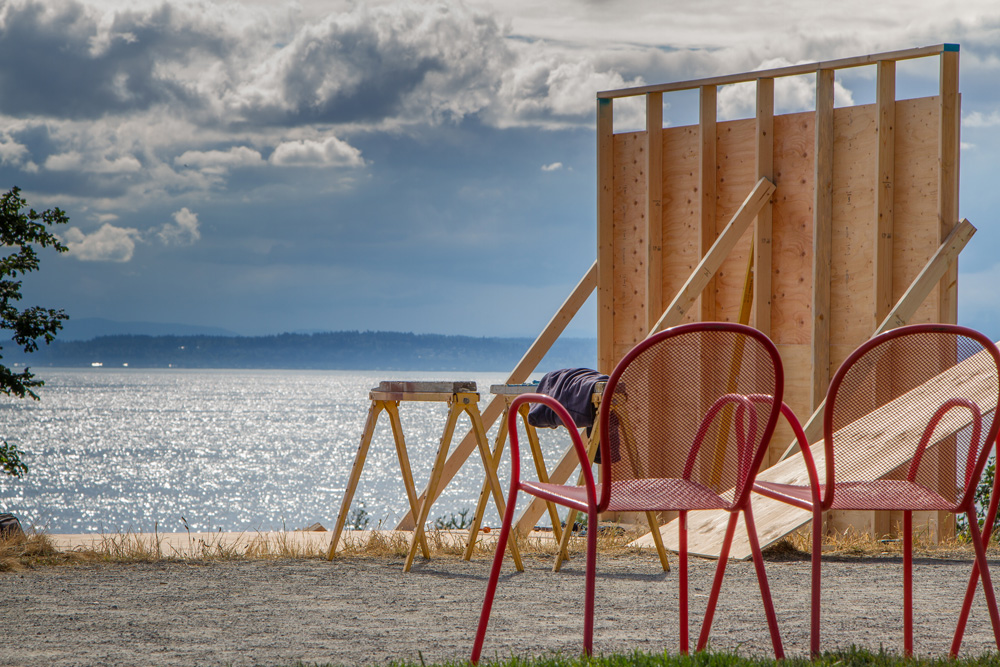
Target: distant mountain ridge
341,350
87,328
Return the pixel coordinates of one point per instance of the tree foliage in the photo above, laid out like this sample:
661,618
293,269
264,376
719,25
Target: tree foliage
21,230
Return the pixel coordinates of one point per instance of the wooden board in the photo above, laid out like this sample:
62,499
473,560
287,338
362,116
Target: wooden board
629,242
975,377
426,386
680,234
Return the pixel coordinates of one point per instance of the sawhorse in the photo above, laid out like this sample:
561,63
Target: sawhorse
461,397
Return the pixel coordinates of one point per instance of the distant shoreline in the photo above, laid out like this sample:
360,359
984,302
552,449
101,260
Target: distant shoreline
342,350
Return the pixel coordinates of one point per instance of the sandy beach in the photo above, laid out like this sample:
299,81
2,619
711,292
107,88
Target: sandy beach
366,611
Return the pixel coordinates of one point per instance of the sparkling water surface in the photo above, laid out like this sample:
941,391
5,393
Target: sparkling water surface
116,450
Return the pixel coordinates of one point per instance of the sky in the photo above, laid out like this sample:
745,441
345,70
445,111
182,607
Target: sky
266,167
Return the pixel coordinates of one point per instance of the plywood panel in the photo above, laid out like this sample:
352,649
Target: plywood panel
736,176
795,359
852,285
828,289
791,224
915,203
629,240
680,193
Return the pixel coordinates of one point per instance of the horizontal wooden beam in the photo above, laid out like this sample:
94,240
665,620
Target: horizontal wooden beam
792,70
716,255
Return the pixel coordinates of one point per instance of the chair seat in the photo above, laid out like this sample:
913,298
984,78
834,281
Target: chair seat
883,494
637,495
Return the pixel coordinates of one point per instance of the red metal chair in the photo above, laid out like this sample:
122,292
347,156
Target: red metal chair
881,450
685,421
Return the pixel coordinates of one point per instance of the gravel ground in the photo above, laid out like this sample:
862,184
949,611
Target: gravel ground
363,611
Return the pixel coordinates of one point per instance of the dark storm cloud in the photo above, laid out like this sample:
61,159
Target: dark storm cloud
61,62
421,62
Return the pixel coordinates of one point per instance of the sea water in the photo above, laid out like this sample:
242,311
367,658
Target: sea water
118,450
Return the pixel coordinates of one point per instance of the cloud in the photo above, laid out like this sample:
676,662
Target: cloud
75,61
791,93
99,164
107,244
555,166
217,161
12,152
117,244
545,87
979,119
331,152
183,231
402,62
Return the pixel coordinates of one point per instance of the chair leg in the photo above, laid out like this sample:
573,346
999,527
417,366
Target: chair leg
908,583
817,551
682,539
713,596
765,589
963,617
970,591
984,571
588,603
491,586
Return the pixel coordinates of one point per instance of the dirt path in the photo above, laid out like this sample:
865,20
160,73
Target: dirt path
365,611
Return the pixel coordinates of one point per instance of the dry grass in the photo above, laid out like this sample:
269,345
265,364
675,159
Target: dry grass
135,547
853,544
23,552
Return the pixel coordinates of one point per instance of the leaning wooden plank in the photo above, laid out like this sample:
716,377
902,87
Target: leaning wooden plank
524,368
904,308
974,377
712,260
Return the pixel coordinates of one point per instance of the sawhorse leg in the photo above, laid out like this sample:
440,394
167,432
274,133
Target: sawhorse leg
543,476
359,463
459,404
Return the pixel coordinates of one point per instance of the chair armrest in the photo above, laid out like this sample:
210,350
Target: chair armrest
568,423
807,457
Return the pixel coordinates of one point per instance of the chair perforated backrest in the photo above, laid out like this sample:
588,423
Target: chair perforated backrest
696,402
914,378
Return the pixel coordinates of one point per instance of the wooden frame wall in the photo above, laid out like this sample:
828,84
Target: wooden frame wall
864,197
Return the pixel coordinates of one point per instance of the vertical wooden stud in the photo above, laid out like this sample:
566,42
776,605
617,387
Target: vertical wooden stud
948,159
762,231
885,121
949,147
822,236
708,116
605,236
654,215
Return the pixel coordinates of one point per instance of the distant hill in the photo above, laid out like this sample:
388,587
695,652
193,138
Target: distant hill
86,328
341,350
